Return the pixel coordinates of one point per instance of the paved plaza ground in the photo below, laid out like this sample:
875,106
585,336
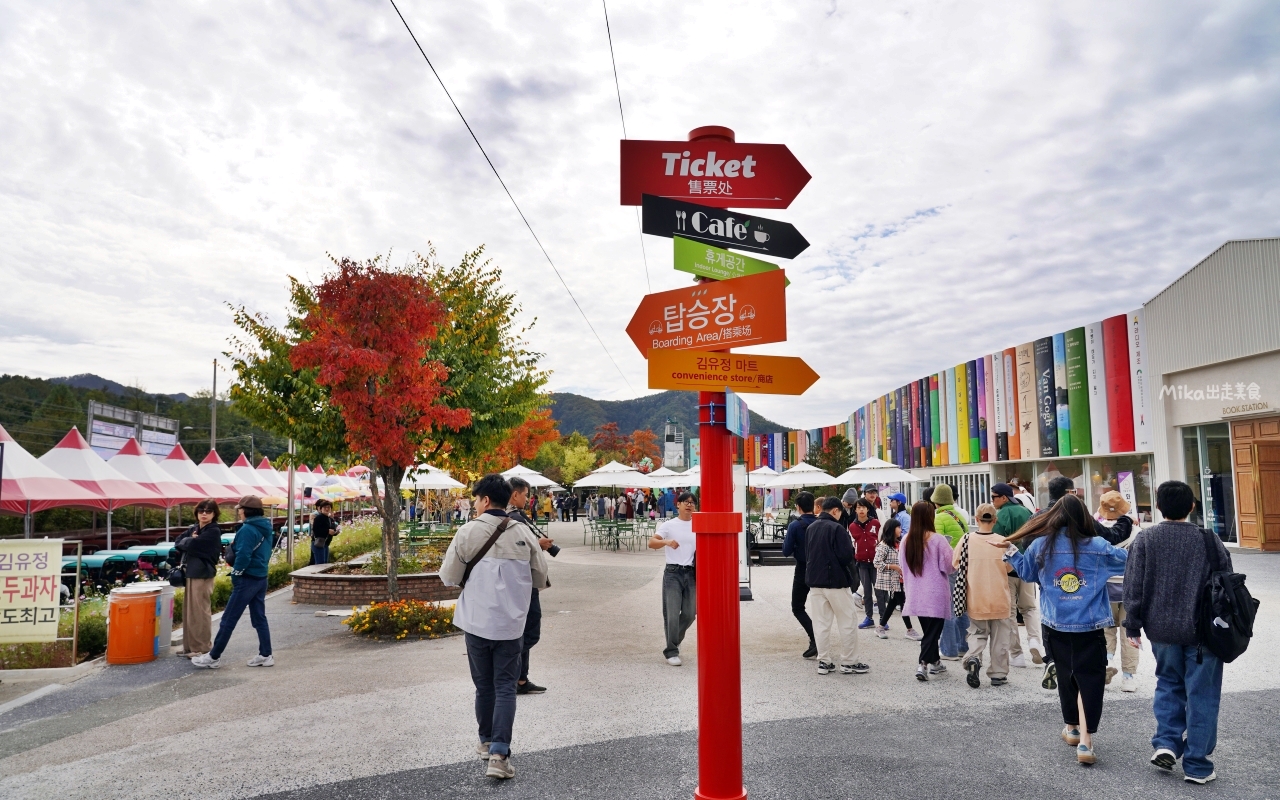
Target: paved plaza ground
339,717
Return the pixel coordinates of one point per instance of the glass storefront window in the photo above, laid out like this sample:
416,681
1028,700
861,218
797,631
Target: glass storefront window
1206,451
1072,468
1022,472
1128,475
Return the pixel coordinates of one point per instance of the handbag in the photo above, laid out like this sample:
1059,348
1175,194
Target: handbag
178,576
960,592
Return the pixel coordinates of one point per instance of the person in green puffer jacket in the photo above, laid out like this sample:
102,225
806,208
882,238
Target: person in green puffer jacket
949,522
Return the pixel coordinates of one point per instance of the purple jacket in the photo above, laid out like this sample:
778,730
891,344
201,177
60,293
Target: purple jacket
928,594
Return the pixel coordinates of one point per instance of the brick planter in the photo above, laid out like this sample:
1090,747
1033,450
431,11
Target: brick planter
314,586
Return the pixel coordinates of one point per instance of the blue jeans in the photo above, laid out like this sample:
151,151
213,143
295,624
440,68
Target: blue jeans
319,555
495,668
246,592
1187,699
955,632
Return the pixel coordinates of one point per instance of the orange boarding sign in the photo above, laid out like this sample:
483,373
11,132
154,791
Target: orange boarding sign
713,316
742,372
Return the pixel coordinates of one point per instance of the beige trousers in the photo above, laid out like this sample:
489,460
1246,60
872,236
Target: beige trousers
834,625
997,633
1128,653
197,616
1024,600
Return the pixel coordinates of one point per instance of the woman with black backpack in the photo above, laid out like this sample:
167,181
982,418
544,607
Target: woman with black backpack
201,547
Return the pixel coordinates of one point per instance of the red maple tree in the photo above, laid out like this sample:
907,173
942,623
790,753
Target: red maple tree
607,438
522,442
370,332
640,444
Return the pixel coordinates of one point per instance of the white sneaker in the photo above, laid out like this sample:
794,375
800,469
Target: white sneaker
674,661
500,768
262,661
1037,651
1018,661
1128,683
857,600
205,661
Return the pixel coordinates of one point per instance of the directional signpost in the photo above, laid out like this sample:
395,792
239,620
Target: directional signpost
707,261
713,316
663,216
686,334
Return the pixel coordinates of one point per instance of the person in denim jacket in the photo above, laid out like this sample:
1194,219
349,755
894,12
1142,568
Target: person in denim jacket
1072,566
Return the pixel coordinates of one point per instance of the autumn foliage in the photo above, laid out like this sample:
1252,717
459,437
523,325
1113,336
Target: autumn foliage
522,443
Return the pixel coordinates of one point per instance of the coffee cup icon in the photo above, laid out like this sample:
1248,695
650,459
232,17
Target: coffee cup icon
761,236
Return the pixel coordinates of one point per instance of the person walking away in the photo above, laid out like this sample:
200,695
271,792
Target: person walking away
1072,566
1010,517
250,555
201,547
899,511
794,546
829,560
1059,488
498,565
1112,515
987,600
676,539
1169,564
926,555
864,528
323,529
951,524
533,621
889,594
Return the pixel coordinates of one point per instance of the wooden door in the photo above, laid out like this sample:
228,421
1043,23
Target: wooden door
1266,469
1255,445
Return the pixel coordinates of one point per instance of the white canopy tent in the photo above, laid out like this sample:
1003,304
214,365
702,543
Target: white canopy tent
690,478
535,479
877,471
615,475
429,477
140,468
802,474
181,468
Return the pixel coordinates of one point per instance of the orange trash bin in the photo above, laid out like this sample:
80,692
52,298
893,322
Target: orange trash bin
133,624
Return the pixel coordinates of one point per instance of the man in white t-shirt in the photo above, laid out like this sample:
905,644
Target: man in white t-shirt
679,589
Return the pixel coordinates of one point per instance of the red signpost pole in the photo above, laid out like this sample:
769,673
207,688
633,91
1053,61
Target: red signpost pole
719,641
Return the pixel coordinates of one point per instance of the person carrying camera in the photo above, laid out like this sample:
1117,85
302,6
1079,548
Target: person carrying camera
533,623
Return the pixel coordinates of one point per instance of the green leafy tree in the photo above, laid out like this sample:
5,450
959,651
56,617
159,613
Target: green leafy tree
578,459
836,456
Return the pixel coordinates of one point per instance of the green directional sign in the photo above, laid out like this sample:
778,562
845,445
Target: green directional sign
707,261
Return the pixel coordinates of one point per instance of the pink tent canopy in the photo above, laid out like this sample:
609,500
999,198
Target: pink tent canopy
270,473
181,468
217,471
72,459
140,468
27,486
245,473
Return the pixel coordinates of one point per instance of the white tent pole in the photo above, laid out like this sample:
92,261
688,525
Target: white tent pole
108,528
166,524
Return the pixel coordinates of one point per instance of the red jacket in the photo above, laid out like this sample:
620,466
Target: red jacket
866,535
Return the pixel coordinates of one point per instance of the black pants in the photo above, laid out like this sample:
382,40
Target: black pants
890,603
1081,661
532,633
867,577
799,596
931,631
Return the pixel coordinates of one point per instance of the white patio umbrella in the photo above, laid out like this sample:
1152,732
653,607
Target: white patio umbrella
429,477
802,474
761,475
679,480
662,472
535,479
618,476
877,471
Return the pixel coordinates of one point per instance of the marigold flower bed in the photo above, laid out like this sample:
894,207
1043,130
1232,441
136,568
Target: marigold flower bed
402,620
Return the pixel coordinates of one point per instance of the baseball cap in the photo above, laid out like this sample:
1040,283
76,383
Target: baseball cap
899,496
986,513
1003,489
870,487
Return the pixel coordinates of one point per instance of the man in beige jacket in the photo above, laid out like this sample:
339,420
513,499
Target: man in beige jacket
987,578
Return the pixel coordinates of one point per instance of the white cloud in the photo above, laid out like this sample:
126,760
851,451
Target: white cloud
983,174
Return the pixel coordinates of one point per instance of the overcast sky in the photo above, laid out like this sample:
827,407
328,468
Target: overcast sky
983,173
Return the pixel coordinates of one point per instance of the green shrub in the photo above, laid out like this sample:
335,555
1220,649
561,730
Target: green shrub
357,538
93,630
221,592
92,641
401,620
409,564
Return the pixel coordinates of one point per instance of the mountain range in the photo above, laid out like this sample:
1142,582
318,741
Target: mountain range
88,380
574,412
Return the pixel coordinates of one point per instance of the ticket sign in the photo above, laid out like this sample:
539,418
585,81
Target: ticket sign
743,372
707,261
30,589
713,316
712,172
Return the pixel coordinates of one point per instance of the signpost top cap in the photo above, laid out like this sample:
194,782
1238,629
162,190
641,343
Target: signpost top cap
711,132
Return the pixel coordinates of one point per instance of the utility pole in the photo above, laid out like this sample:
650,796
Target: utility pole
290,517
213,410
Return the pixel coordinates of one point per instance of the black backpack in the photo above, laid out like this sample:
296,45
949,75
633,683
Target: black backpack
1224,623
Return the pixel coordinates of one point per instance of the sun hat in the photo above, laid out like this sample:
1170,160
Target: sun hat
1112,505
942,495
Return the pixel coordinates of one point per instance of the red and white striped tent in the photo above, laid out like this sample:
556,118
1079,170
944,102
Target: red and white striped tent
72,459
270,473
140,468
181,468
27,486
216,470
244,471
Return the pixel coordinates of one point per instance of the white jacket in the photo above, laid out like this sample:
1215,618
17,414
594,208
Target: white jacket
495,601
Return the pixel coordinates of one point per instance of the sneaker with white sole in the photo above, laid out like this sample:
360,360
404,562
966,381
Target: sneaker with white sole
1049,680
825,667
1202,780
1019,661
937,668
674,661
857,600
1085,754
914,635
922,674
205,661
500,767
881,633
1164,758
856,668
482,750
1037,650
1128,683
262,661
972,666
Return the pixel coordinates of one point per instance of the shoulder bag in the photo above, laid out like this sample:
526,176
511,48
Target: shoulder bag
502,526
960,592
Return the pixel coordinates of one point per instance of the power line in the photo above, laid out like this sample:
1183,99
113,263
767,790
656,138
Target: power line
510,196
618,88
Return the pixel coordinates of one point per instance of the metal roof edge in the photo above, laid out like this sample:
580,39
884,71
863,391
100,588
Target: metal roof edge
1198,264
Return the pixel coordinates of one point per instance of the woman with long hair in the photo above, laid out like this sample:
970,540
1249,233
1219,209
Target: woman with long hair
201,547
1072,566
927,557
